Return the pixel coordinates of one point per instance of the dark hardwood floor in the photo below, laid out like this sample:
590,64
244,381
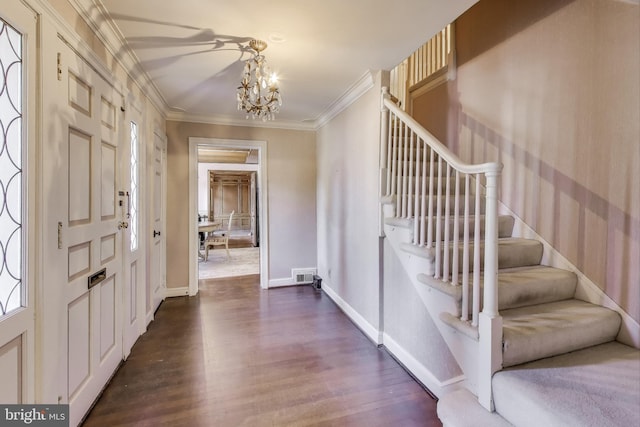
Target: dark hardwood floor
236,355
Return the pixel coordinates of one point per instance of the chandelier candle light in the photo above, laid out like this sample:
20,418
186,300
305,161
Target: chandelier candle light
258,93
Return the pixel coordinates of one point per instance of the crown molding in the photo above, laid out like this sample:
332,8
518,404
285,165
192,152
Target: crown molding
362,85
235,121
93,12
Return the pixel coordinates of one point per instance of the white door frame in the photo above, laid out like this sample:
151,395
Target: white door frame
156,291
261,147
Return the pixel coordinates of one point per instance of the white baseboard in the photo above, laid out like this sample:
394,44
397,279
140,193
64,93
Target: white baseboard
586,290
421,372
278,283
177,292
367,328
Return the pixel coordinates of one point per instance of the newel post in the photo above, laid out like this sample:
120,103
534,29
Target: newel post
490,321
384,142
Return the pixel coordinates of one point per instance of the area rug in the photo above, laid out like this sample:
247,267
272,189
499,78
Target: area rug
241,262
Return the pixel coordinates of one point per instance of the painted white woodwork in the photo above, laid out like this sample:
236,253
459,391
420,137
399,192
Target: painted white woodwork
82,170
19,219
425,180
262,179
252,209
11,371
156,280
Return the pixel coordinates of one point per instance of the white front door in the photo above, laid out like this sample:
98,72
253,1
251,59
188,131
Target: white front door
157,276
83,257
18,222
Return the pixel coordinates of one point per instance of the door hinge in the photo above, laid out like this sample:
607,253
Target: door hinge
59,234
59,66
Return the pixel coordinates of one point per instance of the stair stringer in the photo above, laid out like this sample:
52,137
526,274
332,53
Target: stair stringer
463,348
586,289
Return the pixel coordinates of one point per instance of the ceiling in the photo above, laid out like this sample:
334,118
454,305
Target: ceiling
194,50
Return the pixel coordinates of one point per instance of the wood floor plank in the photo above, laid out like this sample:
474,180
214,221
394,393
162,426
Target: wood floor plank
236,355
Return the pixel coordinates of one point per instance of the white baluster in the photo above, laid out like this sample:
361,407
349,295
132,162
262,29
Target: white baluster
447,220
423,201
410,176
476,256
465,253
430,211
438,274
456,232
416,196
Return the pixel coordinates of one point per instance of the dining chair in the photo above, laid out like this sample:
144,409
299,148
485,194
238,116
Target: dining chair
218,238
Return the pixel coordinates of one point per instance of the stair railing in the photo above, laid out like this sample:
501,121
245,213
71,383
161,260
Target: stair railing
441,194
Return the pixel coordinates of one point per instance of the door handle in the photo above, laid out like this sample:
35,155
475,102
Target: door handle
156,233
123,224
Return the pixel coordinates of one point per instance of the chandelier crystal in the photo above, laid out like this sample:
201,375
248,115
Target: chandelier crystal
258,93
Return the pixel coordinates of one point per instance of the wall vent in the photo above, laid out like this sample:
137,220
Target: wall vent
302,275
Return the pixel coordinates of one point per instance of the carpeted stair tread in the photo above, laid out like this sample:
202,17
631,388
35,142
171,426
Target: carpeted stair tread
544,330
512,252
519,287
598,386
524,286
505,225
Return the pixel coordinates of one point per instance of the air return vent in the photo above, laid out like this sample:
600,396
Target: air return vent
302,275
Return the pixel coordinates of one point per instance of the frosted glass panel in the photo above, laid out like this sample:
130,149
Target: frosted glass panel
11,186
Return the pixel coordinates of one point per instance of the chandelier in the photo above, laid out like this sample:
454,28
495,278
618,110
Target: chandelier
258,93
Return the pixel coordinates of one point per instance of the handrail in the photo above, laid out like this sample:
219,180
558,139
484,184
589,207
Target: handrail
440,149
439,192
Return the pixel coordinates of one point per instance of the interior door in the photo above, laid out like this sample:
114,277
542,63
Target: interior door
157,276
86,281
18,64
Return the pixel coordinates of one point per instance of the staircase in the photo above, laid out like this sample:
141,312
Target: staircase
496,305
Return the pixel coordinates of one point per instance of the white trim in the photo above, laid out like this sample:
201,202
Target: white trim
421,372
94,14
586,289
286,281
263,201
359,88
239,121
363,324
182,291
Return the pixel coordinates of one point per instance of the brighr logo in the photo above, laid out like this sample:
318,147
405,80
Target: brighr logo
26,417
34,415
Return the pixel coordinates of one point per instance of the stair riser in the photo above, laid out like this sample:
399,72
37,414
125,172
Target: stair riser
511,256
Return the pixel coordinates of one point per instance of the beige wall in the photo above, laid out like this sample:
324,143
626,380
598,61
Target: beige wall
291,204
348,247
551,89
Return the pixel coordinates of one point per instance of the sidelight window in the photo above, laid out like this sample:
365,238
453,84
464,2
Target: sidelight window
11,166
134,208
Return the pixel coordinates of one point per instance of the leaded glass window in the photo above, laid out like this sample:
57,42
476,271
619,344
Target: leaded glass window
134,187
11,177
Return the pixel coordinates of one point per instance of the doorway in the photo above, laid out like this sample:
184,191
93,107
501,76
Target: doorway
227,196
233,177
